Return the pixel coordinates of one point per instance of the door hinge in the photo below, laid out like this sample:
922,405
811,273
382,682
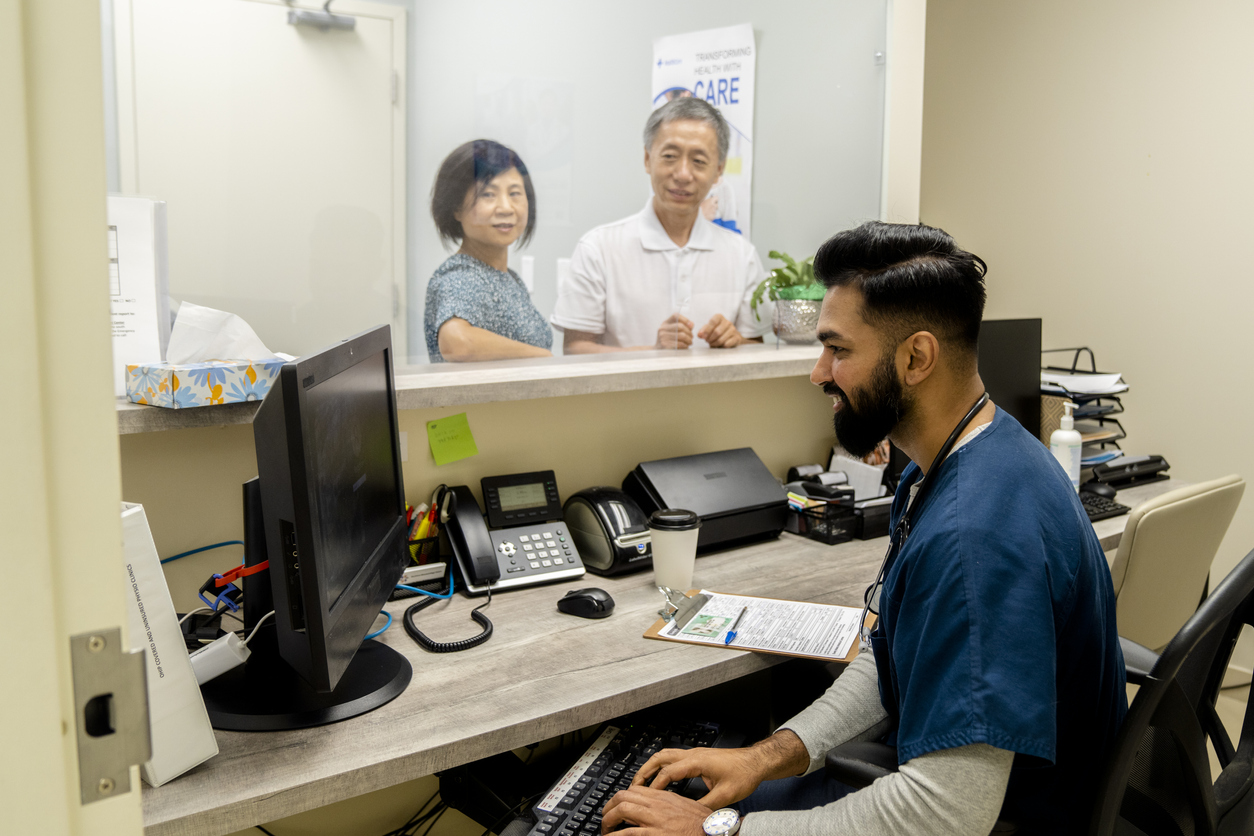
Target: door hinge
110,712
396,86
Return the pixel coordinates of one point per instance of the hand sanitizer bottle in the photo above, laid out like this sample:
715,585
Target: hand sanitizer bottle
1065,444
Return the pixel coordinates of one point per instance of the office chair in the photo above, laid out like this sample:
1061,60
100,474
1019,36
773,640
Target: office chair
1162,566
1157,780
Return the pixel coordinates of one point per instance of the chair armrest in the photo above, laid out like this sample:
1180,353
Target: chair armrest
1138,660
858,763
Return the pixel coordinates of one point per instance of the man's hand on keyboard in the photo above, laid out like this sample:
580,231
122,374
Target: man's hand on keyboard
730,774
655,811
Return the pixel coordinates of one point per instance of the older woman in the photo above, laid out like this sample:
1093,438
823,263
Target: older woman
477,308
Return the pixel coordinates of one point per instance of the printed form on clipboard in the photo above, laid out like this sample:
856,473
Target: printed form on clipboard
768,625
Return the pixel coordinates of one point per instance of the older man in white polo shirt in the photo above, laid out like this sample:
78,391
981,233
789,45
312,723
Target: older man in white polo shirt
666,277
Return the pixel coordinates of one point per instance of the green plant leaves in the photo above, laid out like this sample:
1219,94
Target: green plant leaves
794,274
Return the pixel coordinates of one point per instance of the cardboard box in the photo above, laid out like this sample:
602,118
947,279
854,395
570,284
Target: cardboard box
181,734
200,384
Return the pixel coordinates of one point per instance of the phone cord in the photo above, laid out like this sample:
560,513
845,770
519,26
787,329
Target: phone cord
426,643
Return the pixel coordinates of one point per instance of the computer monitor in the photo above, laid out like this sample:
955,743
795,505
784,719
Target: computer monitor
328,510
1010,366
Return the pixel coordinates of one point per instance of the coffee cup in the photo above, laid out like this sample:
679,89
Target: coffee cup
674,533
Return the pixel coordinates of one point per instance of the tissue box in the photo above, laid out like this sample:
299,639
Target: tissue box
200,384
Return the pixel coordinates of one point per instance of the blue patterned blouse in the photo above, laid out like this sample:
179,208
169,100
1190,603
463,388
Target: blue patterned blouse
485,297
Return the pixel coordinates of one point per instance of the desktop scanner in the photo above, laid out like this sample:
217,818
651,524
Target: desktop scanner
586,603
732,492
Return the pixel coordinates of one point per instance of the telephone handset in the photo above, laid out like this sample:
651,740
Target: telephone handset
472,545
528,542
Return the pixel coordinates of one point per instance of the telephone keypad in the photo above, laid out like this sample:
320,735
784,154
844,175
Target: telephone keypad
531,551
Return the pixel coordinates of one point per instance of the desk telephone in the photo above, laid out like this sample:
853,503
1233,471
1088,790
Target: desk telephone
525,540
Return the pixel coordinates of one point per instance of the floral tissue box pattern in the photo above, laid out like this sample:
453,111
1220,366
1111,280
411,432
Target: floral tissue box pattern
200,384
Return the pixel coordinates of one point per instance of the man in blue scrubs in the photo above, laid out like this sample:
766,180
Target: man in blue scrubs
996,669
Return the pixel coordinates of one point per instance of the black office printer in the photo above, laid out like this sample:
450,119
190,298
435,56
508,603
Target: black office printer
735,495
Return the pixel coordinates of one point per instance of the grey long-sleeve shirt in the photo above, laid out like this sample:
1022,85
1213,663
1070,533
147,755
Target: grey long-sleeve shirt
953,791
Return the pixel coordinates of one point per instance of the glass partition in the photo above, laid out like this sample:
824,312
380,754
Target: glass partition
299,163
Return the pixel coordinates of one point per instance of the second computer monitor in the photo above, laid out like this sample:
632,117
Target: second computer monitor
1010,366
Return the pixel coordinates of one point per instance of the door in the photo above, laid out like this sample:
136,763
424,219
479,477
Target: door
59,475
279,150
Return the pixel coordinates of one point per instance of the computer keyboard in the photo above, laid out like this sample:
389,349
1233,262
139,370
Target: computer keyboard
1101,508
572,806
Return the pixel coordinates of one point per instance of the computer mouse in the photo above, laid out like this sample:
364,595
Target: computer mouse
1099,488
586,603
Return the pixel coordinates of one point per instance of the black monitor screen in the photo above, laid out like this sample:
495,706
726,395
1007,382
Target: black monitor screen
1010,366
354,475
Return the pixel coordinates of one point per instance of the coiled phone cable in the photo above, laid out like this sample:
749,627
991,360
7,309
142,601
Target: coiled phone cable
427,643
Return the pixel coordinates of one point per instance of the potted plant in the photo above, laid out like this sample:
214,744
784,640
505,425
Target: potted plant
797,297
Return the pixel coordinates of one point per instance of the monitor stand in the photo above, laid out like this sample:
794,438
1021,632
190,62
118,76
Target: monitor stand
267,694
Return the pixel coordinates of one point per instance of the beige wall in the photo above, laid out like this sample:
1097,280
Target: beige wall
1098,156
189,480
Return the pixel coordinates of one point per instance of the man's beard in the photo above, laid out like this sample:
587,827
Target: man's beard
879,408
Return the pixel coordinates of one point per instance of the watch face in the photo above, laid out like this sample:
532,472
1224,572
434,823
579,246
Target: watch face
721,822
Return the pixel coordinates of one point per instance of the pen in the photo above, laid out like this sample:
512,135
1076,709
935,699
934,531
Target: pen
731,634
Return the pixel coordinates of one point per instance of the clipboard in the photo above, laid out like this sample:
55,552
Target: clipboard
695,604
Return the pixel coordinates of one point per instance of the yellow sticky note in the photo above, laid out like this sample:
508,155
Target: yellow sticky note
451,439
733,165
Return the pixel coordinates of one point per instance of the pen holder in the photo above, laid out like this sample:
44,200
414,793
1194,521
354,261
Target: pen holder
830,523
424,549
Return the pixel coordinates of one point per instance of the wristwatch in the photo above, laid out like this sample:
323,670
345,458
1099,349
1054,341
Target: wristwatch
724,822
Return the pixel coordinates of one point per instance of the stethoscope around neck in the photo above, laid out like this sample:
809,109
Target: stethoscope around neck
901,531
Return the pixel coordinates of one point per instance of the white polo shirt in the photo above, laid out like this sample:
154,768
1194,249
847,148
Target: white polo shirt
627,277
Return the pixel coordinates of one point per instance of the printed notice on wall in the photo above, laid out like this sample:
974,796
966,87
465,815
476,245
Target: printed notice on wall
716,65
139,306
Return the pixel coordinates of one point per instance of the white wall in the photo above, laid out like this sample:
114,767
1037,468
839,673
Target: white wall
1098,157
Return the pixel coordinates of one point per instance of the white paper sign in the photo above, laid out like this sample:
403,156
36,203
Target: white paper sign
716,65
139,304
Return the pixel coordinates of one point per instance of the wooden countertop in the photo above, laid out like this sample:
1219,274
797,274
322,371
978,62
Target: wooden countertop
542,674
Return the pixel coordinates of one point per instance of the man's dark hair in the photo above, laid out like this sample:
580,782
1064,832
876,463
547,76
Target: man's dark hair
473,165
912,278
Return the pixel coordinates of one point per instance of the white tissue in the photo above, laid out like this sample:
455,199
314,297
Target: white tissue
200,334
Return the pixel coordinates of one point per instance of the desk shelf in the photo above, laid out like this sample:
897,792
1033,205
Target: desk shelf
449,384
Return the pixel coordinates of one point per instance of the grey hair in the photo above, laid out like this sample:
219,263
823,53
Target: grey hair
689,108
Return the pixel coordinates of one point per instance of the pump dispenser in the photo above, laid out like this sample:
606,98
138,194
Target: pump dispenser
1065,444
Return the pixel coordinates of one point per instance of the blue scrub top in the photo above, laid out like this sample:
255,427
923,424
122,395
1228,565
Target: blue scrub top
997,626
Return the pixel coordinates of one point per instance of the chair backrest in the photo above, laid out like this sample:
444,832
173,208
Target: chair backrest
1164,557
1157,779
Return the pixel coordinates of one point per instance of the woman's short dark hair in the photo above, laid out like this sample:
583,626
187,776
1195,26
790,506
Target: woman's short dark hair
473,165
912,278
